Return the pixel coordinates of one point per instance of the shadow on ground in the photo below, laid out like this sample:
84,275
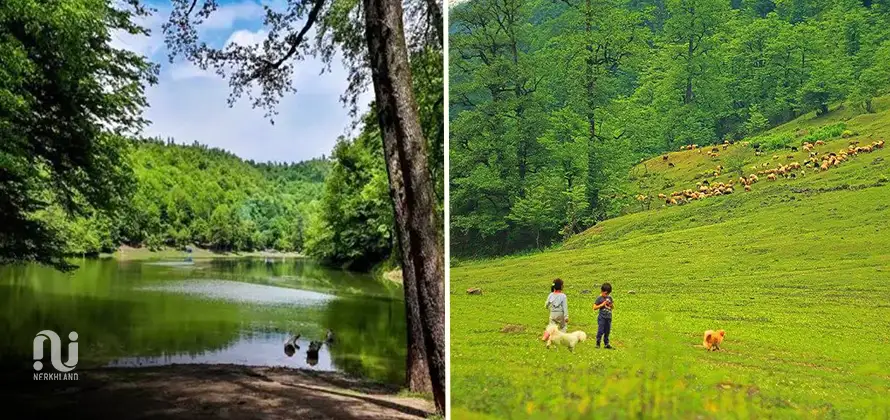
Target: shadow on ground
208,391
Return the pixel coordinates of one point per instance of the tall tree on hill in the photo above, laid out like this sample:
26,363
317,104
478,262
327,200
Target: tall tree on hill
372,39
611,34
66,96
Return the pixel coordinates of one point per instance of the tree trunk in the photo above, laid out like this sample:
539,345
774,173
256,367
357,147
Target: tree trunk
592,162
432,6
417,371
410,185
687,97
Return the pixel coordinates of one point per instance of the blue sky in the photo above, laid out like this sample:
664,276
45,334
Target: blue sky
189,104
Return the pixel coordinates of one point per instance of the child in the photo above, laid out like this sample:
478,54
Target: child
558,305
604,303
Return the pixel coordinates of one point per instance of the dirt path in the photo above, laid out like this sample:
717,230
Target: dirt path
212,391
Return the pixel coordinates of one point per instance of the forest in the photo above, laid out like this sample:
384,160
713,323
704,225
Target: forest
94,189
552,102
195,195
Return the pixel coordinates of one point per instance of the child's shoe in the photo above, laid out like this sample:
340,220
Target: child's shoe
597,345
608,347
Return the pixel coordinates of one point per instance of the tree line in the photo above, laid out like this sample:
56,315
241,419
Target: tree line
552,102
193,195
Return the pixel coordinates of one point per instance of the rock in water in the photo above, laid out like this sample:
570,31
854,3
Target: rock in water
312,352
329,337
291,346
289,349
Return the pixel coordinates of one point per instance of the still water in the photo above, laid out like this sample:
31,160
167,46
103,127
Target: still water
239,311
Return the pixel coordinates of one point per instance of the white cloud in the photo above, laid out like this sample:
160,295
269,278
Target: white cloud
186,70
226,15
307,126
149,45
247,38
190,104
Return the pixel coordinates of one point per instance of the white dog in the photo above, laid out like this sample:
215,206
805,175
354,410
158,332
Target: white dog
553,335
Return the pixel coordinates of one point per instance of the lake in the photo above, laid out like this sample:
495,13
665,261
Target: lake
238,311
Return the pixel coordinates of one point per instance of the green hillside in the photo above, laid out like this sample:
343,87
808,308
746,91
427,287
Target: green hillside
183,195
839,130
797,271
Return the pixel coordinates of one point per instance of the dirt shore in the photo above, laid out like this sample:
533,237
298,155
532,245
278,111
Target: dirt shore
126,253
209,391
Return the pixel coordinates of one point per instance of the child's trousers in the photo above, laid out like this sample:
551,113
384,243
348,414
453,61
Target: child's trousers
604,327
559,320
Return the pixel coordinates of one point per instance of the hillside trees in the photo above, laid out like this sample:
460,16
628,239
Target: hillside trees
193,195
532,81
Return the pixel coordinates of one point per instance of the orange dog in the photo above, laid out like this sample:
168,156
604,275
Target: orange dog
713,339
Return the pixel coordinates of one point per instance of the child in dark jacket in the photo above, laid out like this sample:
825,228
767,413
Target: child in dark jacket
604,303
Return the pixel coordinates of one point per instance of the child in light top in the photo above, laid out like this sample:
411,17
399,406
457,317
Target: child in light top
558,305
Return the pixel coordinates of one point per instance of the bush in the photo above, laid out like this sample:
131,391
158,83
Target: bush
776,141
826,132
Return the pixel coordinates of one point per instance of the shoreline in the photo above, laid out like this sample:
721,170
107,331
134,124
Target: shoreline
126,253
188,391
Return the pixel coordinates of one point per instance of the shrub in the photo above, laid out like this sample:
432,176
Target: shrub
826,132
776,141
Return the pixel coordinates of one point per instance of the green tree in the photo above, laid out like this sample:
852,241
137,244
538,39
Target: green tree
65,96
355,208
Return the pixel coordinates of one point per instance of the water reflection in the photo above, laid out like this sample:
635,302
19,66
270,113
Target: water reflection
231,311
258,349
242,292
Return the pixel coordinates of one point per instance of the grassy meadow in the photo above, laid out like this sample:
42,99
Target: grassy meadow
796,271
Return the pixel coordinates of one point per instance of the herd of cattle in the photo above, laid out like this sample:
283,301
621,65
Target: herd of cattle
816,162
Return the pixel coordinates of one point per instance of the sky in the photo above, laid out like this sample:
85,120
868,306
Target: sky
189,104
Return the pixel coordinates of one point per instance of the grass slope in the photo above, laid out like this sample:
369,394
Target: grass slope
797,272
